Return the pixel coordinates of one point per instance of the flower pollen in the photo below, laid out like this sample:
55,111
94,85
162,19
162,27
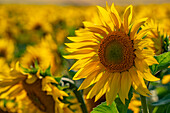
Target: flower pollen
116,52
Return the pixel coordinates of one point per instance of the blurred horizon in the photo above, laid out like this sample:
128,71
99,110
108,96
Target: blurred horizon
85,2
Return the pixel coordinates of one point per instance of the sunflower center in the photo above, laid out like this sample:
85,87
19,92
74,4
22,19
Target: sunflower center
116,52
38,97
3,53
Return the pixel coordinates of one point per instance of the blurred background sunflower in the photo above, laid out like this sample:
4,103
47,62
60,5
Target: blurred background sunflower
33,33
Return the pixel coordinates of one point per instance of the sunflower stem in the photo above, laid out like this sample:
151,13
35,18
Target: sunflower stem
81,100
144,105
77,93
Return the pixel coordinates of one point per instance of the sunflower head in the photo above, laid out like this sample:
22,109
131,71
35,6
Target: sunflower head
112,54
36,85
159,37
6,49
42,55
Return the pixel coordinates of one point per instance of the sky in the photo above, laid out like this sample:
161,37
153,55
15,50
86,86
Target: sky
85,2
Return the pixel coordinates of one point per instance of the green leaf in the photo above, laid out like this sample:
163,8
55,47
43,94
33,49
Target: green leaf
164,62
104,108
123,108
163,101
162,109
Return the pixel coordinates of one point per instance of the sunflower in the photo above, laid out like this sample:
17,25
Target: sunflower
41,54
34,88
113,55
158,36
6,49
36,21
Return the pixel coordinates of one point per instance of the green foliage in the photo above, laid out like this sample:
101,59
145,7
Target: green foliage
123,108
162,109
104,108
164,62
165,100
116,107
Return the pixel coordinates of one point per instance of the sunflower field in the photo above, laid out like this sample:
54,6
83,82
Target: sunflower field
84,59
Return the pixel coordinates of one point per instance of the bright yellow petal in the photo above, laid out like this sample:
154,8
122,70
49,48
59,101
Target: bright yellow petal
148,76
80,51
84,72
83,32
138,80
103,90
125,84
80,39
139,90
115,16
114,88
97,87
136,27
142,43
106,17
127,17
11,91
79,64
151,61
141,54
80,56
90,79
141,65
81,44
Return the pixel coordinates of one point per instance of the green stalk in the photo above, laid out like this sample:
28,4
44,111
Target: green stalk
77,93
81,100
144,105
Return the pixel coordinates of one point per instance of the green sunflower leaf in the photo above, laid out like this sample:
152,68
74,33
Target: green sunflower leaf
104,108
162,109
164,62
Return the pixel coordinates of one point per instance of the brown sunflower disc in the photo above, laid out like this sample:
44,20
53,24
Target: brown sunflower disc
116,52
39,98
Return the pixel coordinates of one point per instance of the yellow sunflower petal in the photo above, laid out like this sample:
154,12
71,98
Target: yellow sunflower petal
151,61
80,51
114,88
139,90
125,83
106,17
80,39
141,54
81,44
90,79
11,91
115,16
136,27
141,65
84,72
138,80
148,76
142,43
79,63
80,56
127,17
97,87
102,91
83,32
